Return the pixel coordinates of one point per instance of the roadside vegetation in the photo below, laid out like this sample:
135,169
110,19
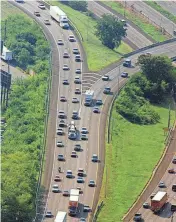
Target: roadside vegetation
92,45
160,9
142,23
137,139
23,137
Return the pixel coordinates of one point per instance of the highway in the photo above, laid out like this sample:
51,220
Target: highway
94,122
169,6
153,15
133,35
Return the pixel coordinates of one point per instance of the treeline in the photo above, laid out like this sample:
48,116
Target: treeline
77,5
154,84
25,115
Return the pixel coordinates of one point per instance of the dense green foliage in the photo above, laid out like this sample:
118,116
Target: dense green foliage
25,41
77,5
157,80
110,31
25,115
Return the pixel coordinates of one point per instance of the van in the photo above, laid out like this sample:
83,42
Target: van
174,187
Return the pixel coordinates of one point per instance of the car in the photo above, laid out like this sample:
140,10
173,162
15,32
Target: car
57,178
60,131
124,22
81,172
48,214
60,157
99,102
73,154
55,188
42,6
137,217
76,51
37,14
78,71
77,147
127,63
69,174
107,90
91,183
146,205
75,100
59,144
77,80
94,158
86,208
161,185
71,38
84,137
66,193
66,55
75,115
65,82
84,130
152,195
60,42
47,22
174,160
77,58
171,170
77,91
80,190
62,123
105,78
80,180
61,114
63,99
124,75
96,110
82,219
65,67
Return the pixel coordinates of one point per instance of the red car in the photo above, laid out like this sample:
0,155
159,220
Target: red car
57,178
63,99
171,170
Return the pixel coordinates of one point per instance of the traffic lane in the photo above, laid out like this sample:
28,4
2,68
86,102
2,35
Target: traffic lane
153,15
132,34
170,6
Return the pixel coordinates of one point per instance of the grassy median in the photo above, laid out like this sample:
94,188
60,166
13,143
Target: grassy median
130,159
142,23
98,56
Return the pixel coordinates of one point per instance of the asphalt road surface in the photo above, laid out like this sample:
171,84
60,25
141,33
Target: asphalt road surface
153,15
94,122
169,6
133,35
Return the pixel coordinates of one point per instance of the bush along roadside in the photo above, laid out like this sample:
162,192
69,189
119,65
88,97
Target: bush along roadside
25,115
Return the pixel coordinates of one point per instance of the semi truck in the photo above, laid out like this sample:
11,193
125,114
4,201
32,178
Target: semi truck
158,201
89,95
73,202
57,14
61,216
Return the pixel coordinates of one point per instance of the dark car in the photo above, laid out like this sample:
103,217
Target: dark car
174,160
80,172
60,157
171,170
66,193
99,102
48,214
61,123
137,217
146,205
86,208
124,75
96,110
80,180
73,154
91,183
65,82
57,178
77,147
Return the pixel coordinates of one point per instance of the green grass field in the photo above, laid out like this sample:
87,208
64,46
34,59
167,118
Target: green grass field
7,9
98,56
160,9
141,23
130,160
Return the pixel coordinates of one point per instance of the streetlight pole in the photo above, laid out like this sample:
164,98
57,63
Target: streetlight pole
124,14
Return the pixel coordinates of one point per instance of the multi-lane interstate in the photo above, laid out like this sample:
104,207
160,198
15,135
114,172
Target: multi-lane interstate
95,123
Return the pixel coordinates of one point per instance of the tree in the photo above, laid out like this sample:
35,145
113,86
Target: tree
110,31
78,5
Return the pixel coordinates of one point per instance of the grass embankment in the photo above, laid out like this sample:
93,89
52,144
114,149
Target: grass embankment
98,56
142,23
160,9
130,160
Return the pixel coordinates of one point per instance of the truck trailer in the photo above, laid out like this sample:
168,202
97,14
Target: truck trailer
61,217
89,95
73,202
158,201
57,14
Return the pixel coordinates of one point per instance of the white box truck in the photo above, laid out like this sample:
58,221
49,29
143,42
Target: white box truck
57,14
6,54
89,94
61,217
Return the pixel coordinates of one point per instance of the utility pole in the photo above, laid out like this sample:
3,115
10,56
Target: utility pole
124,14
5,30
118,80
169,117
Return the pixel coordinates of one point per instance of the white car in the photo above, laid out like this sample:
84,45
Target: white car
84,130
47,22
75,100
76,51
78,71
65,67
60,42
55,188
42,6
105,78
